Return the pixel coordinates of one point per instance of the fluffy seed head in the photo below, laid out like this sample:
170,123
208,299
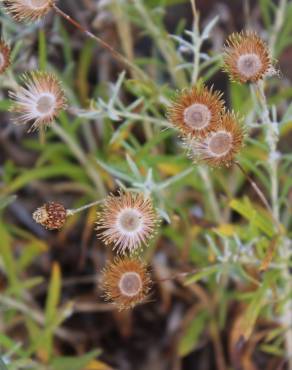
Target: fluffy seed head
28,10
196,111
51,215
246,57
126,282
220,146
4,56
127,221
39,101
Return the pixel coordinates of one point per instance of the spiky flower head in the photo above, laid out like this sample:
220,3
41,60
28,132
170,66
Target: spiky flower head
126,282
220,146
196,111
28,10
51,215
127,221
247,57
4,56
39,101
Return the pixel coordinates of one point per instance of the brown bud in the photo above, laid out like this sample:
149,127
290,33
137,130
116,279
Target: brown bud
51,215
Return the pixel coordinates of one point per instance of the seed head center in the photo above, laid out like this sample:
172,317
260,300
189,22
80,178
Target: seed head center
39,3
249,64
130,284
45,104
220,144
197,116
130,220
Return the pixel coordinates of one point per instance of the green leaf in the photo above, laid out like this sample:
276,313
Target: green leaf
53,298
202,274
8,258
74,363
192,335
5,201
42,50
256,217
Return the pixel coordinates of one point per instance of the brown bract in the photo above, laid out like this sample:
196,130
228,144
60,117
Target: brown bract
127,221
51,215
126,282
247,57
196,111
39,101
4,56
28,10
219,147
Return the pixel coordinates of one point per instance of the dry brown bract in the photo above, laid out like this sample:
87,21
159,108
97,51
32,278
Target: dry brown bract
126,282
39,101
127,221
51,215
196,111
219,147
4,56
28,10
247,58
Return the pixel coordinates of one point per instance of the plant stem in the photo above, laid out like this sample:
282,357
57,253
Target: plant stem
209,190
272,138
81,157
71,212
130,65
164,44
197,43
279,20
255,187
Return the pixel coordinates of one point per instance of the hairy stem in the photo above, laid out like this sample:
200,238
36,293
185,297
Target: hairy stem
197,43
125,61
71,212
209,189
256,188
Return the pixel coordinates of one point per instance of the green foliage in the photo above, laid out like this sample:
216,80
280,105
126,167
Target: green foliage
212,219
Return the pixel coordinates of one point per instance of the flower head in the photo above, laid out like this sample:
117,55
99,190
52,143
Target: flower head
126,282
4,56
127,221
28,10
51,215
39,101
196,111
220,146
247,58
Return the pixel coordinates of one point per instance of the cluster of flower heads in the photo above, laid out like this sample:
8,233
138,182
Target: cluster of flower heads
128,221
210,133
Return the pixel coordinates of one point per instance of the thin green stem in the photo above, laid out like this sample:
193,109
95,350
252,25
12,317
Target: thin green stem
209,189
71,212
197,43
175,178
164,44
272,138
279,21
